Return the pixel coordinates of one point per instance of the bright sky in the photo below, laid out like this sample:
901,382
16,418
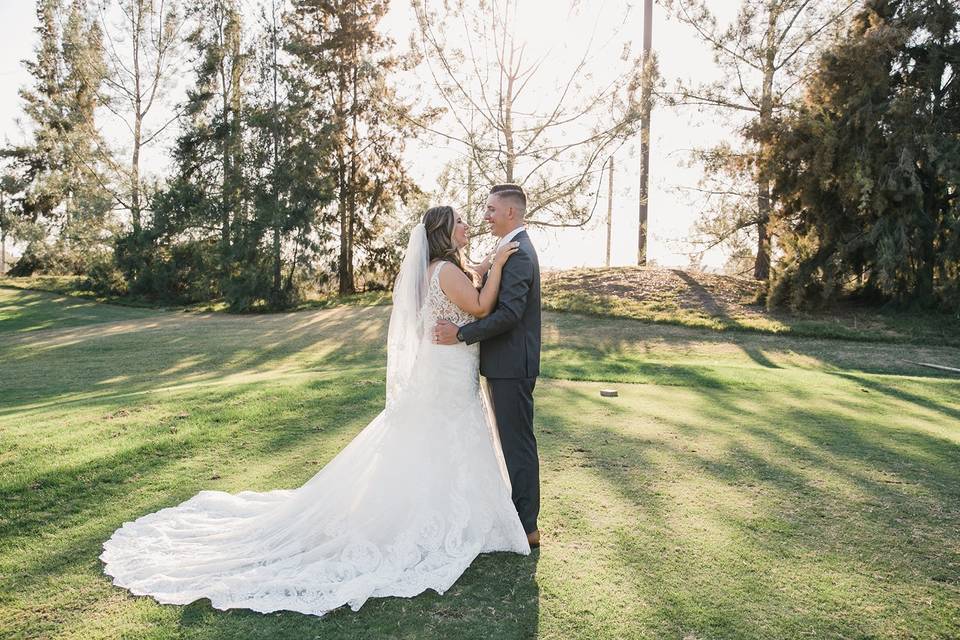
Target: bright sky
545,23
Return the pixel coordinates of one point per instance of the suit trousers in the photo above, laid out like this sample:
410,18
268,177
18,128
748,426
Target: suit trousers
512,400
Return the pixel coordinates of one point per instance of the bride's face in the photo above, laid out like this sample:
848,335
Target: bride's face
459,232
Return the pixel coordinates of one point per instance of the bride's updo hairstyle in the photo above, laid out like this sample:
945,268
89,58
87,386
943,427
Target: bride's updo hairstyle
439,223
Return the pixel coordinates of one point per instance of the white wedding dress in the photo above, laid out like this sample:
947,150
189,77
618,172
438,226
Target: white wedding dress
406,506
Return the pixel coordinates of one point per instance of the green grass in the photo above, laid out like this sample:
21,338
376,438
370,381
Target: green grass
743,485
34,310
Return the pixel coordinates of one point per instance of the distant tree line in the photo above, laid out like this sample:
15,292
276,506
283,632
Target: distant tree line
846,173
287,171
287,165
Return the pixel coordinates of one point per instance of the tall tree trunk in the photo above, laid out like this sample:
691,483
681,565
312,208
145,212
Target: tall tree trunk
344,274
353,175
343,267
609,210
761,265
507,117
137,123
276,158
225,200
236,115
645,105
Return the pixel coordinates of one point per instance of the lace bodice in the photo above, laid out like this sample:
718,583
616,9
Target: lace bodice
438,306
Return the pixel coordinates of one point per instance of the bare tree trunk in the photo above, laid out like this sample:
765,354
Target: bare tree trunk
609,210
276,160
236,112
761,265
137,122
353,183
225,178
507,118
645,105
343,270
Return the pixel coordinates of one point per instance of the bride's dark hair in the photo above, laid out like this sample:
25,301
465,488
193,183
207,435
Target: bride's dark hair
439,223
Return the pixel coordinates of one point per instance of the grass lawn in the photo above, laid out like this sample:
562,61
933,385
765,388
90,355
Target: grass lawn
743,484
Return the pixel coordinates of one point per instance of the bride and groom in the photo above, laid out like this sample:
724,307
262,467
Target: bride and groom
448,469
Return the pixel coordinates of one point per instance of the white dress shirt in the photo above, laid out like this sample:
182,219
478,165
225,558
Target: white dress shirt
510,236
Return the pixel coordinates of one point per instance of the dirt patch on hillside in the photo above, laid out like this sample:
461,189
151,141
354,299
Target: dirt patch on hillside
717,295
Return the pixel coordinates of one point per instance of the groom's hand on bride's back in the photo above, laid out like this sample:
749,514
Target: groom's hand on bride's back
445,332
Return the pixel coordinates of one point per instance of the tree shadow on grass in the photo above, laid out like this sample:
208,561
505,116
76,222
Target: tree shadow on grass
947,410
60,368
616,341
866,498
62,493
27,311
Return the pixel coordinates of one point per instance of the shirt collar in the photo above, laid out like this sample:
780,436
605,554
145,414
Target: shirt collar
510,236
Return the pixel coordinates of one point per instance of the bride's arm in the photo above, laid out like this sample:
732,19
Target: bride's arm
457,286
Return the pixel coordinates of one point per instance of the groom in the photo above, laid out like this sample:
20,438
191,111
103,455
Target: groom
510,351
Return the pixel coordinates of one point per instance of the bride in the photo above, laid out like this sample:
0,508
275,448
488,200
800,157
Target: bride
406,506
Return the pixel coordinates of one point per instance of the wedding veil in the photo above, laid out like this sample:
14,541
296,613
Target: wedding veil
406,330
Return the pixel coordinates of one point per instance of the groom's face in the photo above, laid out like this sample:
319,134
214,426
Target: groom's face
500,215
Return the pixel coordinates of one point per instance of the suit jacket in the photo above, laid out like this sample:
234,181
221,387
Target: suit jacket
510,336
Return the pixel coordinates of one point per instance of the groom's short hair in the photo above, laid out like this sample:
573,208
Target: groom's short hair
514,192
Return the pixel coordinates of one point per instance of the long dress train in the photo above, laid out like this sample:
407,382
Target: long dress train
406,506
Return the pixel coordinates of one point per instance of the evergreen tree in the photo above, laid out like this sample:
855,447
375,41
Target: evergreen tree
243,215
336,46
56,175
763,55
868,170
288,172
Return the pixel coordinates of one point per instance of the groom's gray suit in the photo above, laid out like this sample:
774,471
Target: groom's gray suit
510,360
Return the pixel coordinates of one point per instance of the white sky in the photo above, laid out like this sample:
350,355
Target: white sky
671,211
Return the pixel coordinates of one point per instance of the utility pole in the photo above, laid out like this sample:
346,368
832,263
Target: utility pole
609,208
645,98
3,233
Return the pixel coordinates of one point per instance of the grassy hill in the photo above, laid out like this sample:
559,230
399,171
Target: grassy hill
746,483
728,303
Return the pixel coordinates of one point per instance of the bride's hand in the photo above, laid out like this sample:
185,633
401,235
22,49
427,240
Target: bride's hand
505,252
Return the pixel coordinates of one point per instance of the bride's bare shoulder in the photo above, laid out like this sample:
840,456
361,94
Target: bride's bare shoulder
452,276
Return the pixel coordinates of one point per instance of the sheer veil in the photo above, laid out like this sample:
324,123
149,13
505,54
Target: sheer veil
406,325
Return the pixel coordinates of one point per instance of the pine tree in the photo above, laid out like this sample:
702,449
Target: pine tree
288,170
868,170
336,44
762,55
57,176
